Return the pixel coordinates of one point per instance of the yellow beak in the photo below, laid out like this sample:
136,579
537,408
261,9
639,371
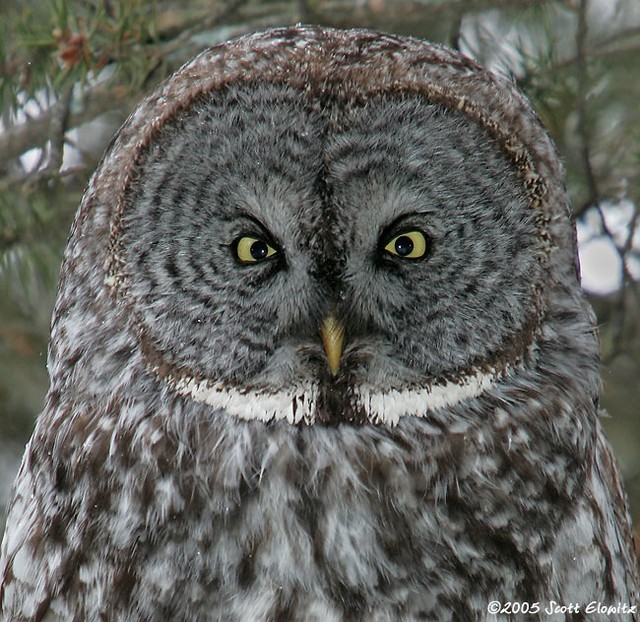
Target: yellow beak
332,333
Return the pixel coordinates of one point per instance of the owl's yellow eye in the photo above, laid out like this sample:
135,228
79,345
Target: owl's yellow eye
253,250
408,245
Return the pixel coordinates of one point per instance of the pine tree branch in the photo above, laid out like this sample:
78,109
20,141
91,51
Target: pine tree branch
96,100
103,97
57,130
620,306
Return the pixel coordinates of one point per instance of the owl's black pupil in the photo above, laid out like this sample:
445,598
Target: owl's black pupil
259,250
404,245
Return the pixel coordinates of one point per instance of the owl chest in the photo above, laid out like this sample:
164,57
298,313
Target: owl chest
352,537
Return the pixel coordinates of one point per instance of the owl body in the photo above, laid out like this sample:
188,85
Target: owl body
320,353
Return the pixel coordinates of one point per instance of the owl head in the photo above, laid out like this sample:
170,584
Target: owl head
320,226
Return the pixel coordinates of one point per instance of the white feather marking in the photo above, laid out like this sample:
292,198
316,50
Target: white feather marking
294,405
389,407
299,404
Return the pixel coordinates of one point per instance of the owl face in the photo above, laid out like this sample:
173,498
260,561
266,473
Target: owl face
287,243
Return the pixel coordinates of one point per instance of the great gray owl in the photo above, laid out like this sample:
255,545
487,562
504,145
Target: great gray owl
320,353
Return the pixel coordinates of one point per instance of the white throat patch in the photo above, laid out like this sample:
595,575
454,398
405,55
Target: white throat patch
299,405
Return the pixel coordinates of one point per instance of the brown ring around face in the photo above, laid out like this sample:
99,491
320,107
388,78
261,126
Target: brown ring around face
327,65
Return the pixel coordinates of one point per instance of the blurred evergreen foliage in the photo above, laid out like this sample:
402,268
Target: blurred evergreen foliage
71,70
